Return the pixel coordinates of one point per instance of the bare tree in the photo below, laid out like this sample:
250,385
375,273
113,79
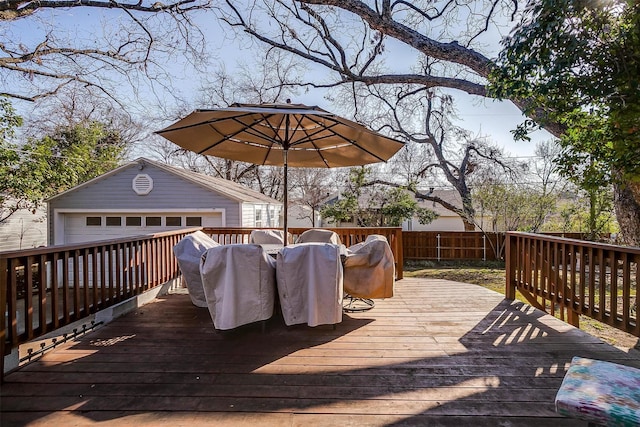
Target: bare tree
356,41
134,41
312,187
271,76
449,154
525,200
396,98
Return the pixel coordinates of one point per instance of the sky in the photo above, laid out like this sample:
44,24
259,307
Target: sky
483,117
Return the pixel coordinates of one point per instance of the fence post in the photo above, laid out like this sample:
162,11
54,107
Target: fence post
484,247
438,246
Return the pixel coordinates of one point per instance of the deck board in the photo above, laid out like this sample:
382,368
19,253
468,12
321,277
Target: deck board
438,353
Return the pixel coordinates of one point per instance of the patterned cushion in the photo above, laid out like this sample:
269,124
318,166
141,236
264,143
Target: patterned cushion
600,392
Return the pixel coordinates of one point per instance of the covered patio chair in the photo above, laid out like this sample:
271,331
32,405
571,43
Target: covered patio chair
239,284
309,278
268,237
369,269
319,235
188,252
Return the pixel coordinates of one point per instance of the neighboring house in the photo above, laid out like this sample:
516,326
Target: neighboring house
24,230
300,215
145,196
446,221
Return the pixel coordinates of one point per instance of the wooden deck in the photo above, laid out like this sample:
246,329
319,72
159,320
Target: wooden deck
439,353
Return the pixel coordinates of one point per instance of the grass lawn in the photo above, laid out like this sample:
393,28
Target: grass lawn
491,275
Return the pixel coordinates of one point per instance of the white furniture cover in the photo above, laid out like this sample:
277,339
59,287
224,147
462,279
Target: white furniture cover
369,270
268,237
309,278
239,284
319,235
188,252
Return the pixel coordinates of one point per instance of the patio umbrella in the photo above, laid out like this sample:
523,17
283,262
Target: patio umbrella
281,135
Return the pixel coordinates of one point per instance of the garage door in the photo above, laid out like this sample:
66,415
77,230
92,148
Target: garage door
80,228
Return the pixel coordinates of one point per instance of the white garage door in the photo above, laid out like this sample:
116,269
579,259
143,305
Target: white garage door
79,228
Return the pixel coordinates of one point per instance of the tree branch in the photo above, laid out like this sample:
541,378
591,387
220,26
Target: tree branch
15,9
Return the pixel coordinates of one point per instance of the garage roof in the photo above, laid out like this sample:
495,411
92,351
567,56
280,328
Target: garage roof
221,186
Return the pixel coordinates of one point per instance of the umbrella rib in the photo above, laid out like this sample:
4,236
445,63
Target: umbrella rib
329,128
310,139
248,128
205,122
225,138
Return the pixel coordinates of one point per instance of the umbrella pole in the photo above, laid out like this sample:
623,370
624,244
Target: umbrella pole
286,192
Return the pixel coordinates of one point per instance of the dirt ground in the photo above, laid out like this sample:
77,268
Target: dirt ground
493,278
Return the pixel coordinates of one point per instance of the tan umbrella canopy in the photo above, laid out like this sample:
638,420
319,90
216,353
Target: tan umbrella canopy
280,135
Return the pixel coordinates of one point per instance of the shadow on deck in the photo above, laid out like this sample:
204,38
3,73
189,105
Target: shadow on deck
439,353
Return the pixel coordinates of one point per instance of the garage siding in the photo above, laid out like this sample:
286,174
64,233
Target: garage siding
170,192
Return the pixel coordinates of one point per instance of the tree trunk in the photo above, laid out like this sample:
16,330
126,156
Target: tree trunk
627,203
468,226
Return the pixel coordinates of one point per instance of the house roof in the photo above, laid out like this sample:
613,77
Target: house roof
449,195
221,186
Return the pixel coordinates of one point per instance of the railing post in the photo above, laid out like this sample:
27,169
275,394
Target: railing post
399,254
573,317
510,266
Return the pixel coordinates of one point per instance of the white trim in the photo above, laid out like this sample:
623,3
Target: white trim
58,216
138,211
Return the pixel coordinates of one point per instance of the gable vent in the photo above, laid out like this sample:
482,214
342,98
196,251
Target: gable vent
142,184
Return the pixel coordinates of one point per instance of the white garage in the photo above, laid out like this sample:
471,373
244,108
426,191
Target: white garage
91,226
145,196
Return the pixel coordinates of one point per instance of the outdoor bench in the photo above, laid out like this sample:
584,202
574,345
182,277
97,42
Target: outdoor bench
602,393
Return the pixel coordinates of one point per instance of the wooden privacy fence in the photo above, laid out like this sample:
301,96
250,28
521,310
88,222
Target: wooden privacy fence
459,245
452,245
44,289
348,235
571,277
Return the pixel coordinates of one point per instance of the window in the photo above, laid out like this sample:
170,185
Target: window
272,217
93,221
258,222
174,221
153,221
133,221
194,221
114,221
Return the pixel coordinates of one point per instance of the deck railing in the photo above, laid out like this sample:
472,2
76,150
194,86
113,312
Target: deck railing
47,288
569,278
348,235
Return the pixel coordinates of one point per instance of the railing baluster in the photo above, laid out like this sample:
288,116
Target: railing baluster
602,285
55,295
65,287
28,298
96,296
42,294
105,297
85,282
